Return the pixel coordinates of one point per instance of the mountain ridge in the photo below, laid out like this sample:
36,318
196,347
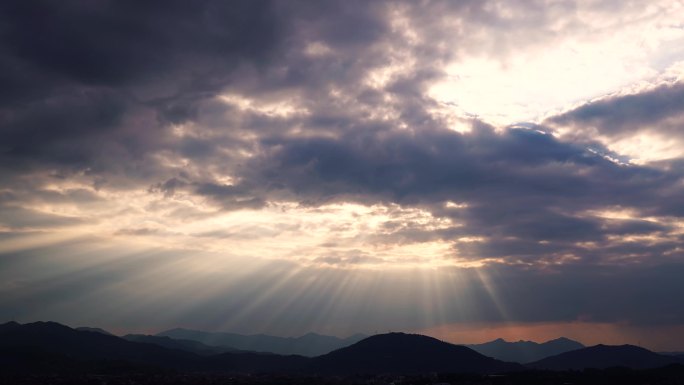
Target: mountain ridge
309,345
525,351
49,347
93,330
180,344
51,339
408,353
606,356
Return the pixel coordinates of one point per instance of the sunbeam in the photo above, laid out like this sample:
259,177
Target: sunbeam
459,168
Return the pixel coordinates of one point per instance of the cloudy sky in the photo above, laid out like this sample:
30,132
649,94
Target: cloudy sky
465,169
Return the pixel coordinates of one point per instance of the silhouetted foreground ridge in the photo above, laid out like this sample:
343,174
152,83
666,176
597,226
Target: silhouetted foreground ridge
48,348
604,356
408,353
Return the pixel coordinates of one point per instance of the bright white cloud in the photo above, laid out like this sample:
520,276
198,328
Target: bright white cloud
583,54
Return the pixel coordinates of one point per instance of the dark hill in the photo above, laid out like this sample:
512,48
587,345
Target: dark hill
50,347
50,339
525,351
9,326
605,356
407,354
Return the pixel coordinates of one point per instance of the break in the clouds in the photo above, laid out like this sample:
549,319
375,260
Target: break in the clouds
262,166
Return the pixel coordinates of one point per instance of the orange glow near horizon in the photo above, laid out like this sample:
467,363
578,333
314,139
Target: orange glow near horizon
656,338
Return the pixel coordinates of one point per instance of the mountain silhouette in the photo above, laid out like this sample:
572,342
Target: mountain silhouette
9,326
52,347
605,356
677,354
53,341
407,354
48,347
525,351
94,330
185,345
42,347
309,345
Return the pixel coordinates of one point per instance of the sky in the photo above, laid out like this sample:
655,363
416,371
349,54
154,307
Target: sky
464,169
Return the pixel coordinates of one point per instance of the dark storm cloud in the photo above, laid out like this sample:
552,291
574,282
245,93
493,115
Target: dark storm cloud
98,90
121,42
149,69
655,112
650,110
56,130
90,84
522,187
230,196
82,81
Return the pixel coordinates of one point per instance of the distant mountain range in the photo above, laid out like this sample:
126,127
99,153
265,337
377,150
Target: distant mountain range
94,330
525,351
605,356
309,345
48,347
179,344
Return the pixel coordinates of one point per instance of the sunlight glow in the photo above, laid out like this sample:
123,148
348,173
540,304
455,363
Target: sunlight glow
276,108
536,80
335,235
645,148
